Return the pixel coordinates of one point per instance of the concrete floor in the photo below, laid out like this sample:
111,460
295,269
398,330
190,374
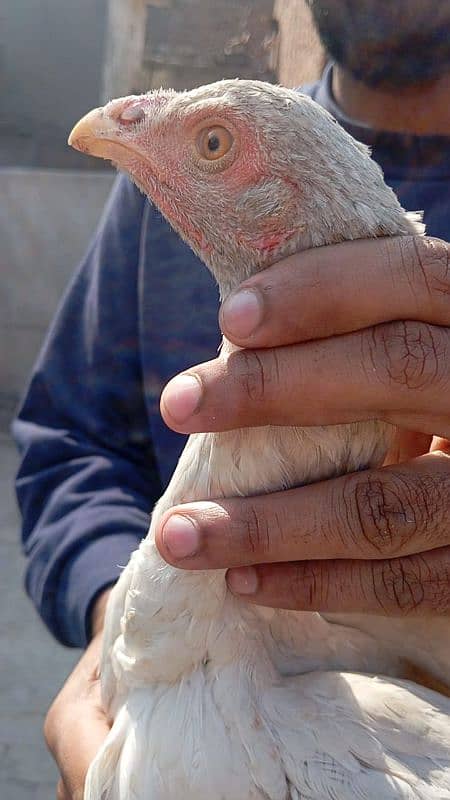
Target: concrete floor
32,665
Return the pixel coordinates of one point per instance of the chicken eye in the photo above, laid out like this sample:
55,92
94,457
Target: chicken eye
215,142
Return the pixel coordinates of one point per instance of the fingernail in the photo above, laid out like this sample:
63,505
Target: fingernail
181,397
180,536
243,580
242,312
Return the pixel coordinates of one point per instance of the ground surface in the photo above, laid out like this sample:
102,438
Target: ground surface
32,665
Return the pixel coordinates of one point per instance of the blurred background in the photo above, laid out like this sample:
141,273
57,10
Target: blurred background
58,59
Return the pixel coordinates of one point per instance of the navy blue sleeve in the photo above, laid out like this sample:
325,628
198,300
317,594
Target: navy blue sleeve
88,478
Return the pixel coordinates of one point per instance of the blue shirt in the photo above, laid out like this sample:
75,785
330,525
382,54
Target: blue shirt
95,453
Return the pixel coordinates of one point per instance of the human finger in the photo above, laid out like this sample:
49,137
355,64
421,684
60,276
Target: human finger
406,445
341,288
376,514
414,585
76,726
398,372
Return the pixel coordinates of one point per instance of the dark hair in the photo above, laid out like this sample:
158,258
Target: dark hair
385,44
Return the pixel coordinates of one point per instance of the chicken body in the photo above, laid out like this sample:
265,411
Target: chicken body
212,699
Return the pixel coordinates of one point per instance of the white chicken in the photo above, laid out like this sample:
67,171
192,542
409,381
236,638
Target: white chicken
210,698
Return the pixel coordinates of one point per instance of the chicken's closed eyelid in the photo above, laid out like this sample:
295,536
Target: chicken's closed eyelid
131,115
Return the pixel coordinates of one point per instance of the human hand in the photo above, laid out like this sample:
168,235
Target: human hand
351,332
76,725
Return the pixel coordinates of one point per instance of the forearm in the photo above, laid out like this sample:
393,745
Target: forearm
83,515
88,477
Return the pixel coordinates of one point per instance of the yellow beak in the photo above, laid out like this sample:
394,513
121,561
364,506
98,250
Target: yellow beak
96,134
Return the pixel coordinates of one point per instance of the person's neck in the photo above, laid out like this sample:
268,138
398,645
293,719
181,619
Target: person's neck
423,109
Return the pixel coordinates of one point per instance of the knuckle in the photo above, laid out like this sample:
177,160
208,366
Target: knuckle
254,533
408,354
253,377
380,514
383,512
423,264
258,374
308,586
398,585
430,499
418,584
432,257
438,586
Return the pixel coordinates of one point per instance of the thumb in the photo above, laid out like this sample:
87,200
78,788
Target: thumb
61,791
77,752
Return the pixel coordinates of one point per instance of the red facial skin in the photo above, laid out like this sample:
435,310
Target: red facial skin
164,160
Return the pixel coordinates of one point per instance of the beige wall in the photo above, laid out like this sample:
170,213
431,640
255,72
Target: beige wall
183,43
52,57
51,54
46,220
301,56
46,217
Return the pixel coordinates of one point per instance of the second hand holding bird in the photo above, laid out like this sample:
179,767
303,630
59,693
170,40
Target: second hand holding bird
275,661
348,332
316,300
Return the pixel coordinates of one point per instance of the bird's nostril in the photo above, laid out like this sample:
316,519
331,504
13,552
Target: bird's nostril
131,115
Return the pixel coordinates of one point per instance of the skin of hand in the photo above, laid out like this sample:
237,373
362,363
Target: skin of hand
338,334
76,725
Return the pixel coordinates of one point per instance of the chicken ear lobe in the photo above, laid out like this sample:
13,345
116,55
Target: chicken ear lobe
269,213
